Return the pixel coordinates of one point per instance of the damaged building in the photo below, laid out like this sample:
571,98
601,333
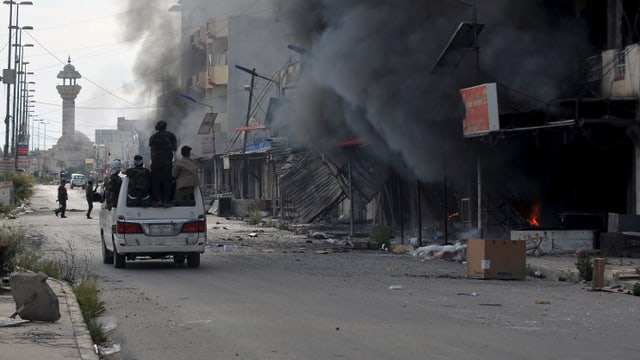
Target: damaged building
443,120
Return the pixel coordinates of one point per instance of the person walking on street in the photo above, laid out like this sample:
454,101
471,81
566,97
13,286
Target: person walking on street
62,199
89,192
139,188
185,172
163,144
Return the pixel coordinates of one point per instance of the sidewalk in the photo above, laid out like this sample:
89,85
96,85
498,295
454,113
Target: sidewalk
67,338
555,267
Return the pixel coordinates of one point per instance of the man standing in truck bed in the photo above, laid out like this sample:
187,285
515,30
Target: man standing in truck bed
163,143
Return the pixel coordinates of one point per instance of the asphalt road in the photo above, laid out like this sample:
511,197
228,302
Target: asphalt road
276,297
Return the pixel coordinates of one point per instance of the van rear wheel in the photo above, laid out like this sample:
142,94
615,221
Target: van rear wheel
193,260
107,256
119,261
178,259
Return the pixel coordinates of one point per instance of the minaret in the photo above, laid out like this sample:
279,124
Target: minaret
68,92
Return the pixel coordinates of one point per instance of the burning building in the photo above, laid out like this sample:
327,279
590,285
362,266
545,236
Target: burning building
558,152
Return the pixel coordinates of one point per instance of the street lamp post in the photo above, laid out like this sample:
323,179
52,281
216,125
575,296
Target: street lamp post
7,75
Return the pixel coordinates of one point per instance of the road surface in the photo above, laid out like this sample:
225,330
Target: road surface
278,296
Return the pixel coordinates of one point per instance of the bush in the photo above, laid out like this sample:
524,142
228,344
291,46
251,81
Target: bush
22,186
584,265
381,235
13,240
636,289
255,217
91,307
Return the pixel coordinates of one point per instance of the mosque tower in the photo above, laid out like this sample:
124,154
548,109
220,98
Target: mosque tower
68,92
73,149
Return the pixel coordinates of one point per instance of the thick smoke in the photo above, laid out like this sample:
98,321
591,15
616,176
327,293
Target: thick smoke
165,28
368,72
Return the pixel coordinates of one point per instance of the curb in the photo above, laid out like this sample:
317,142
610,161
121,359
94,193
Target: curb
80,330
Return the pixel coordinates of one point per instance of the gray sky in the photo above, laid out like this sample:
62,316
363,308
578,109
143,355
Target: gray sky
90,32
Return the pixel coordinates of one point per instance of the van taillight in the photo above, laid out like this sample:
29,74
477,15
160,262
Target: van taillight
128,228
195,226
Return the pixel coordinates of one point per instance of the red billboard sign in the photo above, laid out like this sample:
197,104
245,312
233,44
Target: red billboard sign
481,104
23,150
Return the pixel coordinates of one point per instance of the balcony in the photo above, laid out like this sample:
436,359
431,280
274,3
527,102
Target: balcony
218,75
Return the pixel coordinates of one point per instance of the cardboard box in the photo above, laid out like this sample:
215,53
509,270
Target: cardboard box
496,259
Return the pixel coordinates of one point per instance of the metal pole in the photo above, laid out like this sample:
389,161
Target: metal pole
350,201
246,122
6,118
479,170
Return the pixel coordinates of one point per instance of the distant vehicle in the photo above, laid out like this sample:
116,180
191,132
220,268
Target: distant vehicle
78,180
141,233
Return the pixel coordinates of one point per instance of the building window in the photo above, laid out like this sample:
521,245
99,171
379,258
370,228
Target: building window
620,65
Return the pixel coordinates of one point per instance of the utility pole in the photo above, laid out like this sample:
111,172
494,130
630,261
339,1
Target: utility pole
6,74
246,122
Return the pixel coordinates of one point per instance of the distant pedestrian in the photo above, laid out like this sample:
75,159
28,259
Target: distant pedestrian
185,172
163,144
62,199
90,192
139,189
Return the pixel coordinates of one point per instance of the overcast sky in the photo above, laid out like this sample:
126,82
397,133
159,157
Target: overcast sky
88,31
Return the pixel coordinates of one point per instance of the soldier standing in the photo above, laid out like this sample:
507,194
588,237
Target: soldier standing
163,143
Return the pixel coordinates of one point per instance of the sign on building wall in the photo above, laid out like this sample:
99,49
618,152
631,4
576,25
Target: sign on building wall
23,149
481,104
206,145
7,166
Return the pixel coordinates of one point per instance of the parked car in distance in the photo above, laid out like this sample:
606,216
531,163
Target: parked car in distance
78,180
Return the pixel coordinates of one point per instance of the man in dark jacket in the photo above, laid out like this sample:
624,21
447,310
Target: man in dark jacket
163,144
112,185
139,188
62,199
89,191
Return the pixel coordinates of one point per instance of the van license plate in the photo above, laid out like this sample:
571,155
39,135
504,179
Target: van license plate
161,229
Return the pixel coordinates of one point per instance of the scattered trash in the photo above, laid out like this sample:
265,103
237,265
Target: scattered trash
228,248
396,287
399,250
490,304
318,235
216,245
253,234
109,350
331,241
440,251
539,275
322,252
542,302
474,294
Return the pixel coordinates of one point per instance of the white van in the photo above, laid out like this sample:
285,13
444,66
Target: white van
138,233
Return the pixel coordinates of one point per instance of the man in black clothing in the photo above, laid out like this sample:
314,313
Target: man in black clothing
138,191
89,191
62,199
163,144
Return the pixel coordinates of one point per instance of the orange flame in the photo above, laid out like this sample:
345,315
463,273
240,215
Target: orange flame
534,215
453,215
